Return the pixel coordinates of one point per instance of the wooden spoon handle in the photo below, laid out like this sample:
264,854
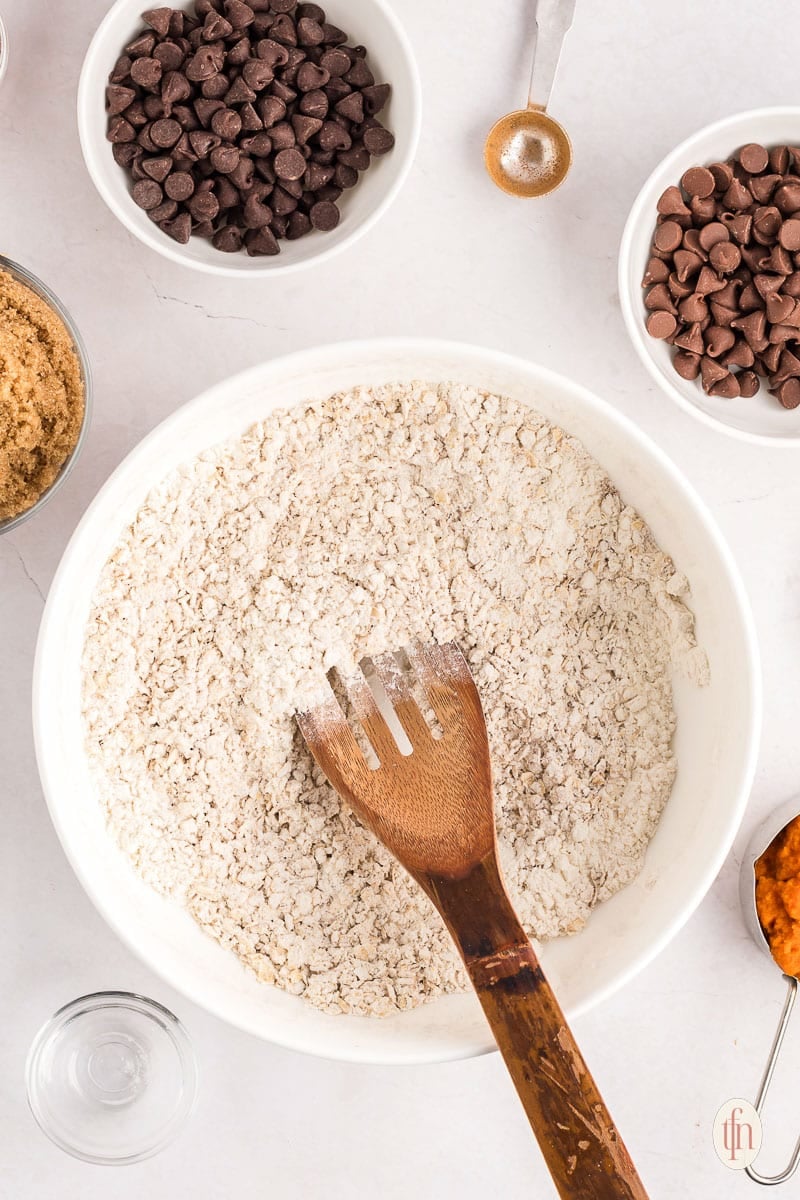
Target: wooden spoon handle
583,1150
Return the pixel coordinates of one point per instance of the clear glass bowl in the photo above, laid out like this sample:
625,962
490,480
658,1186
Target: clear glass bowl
25,277
111,1078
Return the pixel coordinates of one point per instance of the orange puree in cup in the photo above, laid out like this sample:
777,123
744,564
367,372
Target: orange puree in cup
778,897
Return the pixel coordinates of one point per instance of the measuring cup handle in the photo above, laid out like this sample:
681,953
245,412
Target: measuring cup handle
783,1025
553,19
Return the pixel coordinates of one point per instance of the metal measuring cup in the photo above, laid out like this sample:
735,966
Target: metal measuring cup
761,840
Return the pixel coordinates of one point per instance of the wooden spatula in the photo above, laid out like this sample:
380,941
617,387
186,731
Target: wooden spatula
434,810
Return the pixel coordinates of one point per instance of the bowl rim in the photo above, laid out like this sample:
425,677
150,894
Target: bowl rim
3,48
640,212
26,277
295,1037
271,267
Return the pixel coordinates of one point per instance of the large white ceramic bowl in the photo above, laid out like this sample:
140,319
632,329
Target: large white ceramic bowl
716,739
760,419
372,23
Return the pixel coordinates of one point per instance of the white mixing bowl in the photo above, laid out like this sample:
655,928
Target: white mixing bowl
372,23
716,741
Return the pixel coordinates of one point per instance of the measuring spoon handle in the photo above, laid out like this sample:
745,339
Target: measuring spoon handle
553,19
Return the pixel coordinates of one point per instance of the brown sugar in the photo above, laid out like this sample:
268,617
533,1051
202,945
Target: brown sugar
778,897
41,396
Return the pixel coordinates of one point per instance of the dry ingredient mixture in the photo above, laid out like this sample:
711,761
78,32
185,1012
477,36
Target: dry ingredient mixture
41,396
345,528
778,897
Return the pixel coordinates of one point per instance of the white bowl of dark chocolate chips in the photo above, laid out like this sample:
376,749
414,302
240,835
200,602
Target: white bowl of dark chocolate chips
709,275
249,138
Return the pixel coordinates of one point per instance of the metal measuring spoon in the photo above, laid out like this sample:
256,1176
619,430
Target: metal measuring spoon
527,153
761,840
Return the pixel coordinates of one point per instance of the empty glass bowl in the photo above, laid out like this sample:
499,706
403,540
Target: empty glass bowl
111,1077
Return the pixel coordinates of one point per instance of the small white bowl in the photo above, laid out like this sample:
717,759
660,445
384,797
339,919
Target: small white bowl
760,419
369,22
716,742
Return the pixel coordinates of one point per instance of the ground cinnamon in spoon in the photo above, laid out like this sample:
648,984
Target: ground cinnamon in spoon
778,897
41,396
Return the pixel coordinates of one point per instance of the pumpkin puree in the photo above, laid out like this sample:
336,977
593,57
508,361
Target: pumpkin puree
778,897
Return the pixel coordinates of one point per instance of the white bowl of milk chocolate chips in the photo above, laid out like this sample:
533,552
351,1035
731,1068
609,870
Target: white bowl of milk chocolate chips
709,275
249,138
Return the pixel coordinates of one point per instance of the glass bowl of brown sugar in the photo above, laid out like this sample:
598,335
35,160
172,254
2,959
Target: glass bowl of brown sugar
45,391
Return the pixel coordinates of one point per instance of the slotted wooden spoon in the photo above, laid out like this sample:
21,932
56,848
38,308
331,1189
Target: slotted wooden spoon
434,810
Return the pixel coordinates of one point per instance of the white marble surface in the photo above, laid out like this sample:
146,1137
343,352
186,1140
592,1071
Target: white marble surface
453,258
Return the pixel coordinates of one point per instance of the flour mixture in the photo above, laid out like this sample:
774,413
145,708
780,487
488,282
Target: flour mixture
345,528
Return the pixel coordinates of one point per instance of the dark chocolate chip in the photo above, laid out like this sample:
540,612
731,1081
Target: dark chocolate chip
179,185
378,140
120,130
259,145
305,127
165,132
283,29
309,32
242,176
261,241
360,75
158,20
310,77
314,104
257,74
239,14
272,52
157,168
228,239
351,107
282,202
203,206
147,72
227,123
283,136
215,88
179,229
215,26
225,159
357,156
289,164
256,214
164,212
175,87
334,36
118,98
169,55
141,46
203,64
240,52
375,98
